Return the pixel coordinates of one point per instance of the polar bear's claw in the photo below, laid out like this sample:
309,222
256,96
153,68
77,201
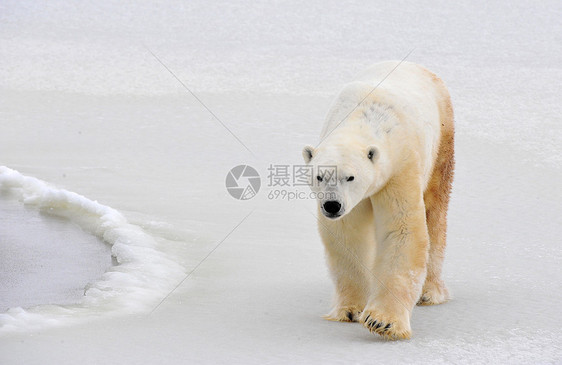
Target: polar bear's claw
433,293
344,314
387,329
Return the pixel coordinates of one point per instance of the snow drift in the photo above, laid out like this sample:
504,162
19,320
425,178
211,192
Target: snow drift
142,277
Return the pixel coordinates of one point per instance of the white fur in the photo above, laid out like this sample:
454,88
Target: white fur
390,109
413,94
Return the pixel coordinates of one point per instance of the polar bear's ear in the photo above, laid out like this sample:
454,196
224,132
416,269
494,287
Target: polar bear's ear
307,153
372,153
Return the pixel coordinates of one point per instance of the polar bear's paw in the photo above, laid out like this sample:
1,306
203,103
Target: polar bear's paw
388,327
433,293
344,314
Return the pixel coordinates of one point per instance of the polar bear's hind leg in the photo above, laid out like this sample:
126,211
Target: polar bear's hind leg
436,199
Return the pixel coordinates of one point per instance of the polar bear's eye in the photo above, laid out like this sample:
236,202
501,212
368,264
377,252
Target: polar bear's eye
351,178
372,153
319,178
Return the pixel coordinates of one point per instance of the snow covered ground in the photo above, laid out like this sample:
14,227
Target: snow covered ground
86,108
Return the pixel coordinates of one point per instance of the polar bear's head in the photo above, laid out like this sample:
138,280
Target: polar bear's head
344,174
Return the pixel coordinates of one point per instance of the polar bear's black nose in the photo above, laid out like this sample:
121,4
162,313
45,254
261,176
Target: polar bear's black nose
332,206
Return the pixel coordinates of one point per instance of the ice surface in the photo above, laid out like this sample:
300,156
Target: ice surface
45,259
86,108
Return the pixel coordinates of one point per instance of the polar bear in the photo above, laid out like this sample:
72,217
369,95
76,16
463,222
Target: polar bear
383,172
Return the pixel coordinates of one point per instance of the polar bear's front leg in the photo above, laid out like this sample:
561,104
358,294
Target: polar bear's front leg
349,244
400,266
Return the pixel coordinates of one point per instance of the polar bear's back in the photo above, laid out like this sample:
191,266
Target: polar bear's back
405,85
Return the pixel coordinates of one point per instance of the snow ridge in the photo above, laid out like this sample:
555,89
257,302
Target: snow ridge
142,277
